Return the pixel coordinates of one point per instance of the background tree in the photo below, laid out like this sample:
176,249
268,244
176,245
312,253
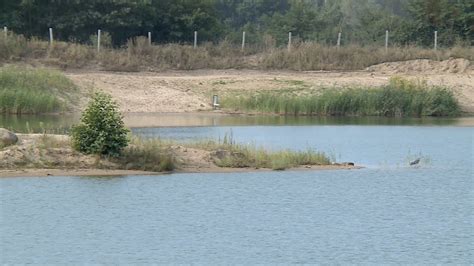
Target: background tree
360,21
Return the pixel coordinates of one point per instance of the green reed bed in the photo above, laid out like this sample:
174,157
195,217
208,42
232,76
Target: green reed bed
400,98
33,91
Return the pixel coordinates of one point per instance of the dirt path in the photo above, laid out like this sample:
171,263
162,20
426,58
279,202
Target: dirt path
191,91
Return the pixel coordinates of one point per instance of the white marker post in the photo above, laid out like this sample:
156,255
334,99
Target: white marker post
386,41
289,41
98,41
195,39
5,32
149,38
338,40
51,37
243,40
436,40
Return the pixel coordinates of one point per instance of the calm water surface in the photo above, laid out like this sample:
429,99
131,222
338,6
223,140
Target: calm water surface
386,213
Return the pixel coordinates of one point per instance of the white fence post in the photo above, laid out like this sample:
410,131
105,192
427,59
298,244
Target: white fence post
195,39
386,41
5,31
243,40
338,40
436,40
98,41
51,37
289,41
149,38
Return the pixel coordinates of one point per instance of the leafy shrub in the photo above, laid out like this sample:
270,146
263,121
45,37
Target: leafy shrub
102,130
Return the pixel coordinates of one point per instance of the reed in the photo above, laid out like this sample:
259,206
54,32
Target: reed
400,98
147,155
32,91
228,153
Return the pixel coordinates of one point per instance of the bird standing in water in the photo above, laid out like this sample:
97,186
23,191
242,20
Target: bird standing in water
415,162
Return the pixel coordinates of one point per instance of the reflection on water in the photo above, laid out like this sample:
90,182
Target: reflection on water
62,123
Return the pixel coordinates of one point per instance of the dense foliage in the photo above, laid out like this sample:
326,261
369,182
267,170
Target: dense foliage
102,130
360,21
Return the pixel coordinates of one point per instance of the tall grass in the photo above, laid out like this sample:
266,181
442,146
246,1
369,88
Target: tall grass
147,155
32,91
400,98
228,153
138,55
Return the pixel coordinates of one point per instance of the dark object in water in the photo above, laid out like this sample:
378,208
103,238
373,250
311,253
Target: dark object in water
415,162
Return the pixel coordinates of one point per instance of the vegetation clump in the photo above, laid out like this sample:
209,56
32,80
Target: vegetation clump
33,91
102,129
228,153
147,155
400,98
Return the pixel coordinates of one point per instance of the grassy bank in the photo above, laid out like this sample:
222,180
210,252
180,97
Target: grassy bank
139,55
400,98
228,153
33,91
43,151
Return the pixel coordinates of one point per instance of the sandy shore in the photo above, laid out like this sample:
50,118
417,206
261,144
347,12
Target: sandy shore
51,155
105,173
191,91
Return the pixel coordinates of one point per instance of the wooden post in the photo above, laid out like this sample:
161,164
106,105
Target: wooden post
51,37
338,40
289,41
243,40
5,31
436,40
149,38
195,39
386,41
98,41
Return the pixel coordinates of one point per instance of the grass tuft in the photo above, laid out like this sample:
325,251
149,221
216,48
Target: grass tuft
147,155
228,153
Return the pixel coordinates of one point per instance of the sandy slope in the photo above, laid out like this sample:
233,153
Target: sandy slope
190,91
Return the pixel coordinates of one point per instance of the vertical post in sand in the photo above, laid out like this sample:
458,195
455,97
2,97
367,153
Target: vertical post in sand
289,41
149,38
436,40
243,41
195,39
98,41
50,37
386,41
338,40
5,31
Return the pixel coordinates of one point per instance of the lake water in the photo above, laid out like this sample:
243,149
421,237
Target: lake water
386,213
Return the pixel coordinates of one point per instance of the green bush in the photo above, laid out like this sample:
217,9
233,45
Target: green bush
102,130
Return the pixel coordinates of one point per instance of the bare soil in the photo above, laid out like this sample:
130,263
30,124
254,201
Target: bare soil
191,91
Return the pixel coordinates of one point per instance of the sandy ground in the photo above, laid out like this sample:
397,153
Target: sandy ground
191,91
105,173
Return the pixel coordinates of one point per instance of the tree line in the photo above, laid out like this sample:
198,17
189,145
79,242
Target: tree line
360,21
